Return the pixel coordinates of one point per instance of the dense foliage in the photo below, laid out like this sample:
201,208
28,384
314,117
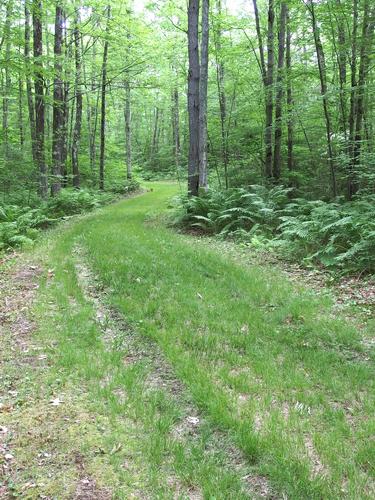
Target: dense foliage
97,91
339,236
20,224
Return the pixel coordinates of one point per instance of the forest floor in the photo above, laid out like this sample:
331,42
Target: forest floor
137,362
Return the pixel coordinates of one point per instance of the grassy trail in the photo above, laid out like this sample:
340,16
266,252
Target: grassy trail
186,374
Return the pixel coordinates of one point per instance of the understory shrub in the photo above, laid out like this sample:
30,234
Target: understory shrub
20,225
339,236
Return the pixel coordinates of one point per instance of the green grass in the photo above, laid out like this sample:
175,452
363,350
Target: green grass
268,364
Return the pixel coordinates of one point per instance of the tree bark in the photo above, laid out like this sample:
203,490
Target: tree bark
364,63
58,105
103,103
8,82
220,76
176,127
193,97
203,83
279,94
323,89
39,97
269,90
78,97
289,97
260,43
20,111
66,90
29,92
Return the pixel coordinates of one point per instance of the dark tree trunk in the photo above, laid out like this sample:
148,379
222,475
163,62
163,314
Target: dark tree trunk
103,104
78,97
289,97
279,94
193,97
66,89
39,97
323,88
203,82
58,106
364,63
269,91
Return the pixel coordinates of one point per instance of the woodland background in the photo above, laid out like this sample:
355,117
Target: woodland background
94,94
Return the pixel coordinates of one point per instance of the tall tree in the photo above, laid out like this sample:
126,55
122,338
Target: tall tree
7,85
176,126
78,99
103,102
58,105
128,134
368,24
289,97
269,90
220,79
29,92
279,93
203,82
193,97
39,97
323,89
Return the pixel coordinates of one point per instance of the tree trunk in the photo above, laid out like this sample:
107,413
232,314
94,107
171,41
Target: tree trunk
7,86
203,82
29,92
39,97
279,94
176,127
154,141
269,90
323,88
58,105
66,88
20,111
260,43
128,143
103,103
220,75
88,104
364,63
94,113
289,97
78,96
193,97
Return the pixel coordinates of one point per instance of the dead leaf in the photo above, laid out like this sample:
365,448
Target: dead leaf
117,447
56,402
193,420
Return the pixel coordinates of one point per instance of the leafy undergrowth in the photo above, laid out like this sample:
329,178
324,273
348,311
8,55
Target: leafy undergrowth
262,366
20,224
338,236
